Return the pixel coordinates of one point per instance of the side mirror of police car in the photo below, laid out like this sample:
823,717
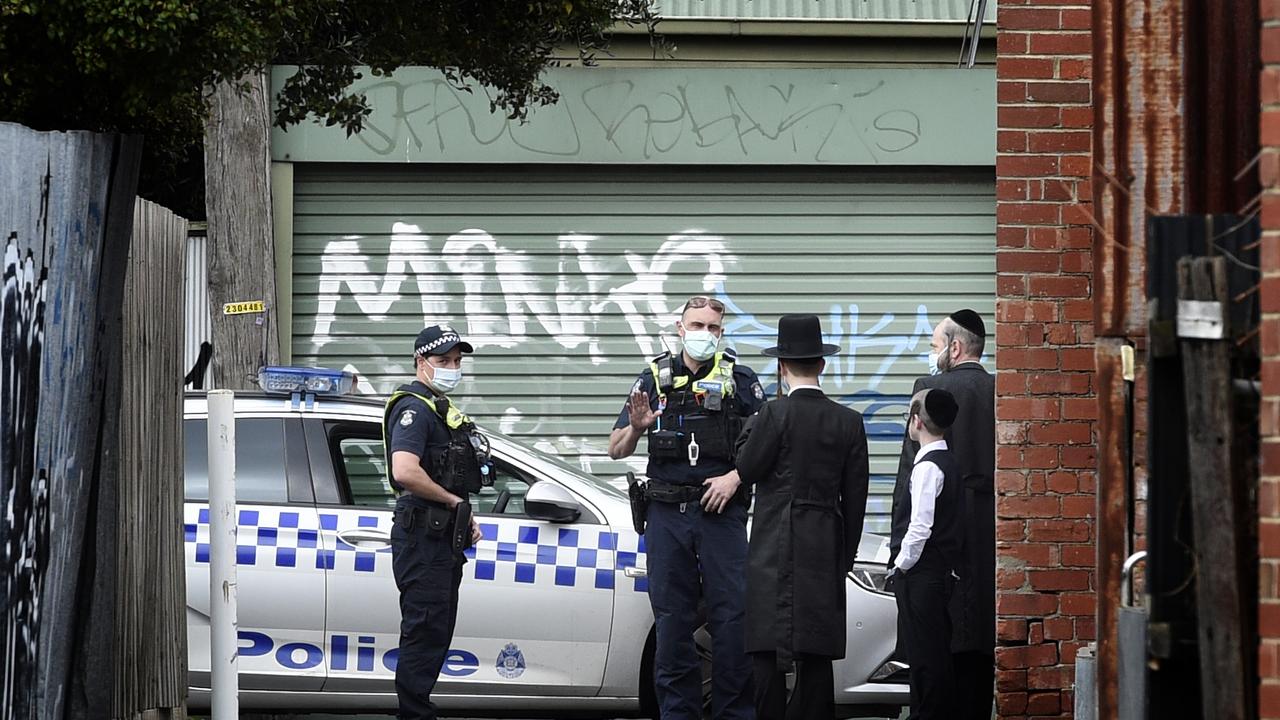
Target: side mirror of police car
550,502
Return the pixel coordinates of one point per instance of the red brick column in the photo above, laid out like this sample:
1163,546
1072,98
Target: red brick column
1269,422
1045,409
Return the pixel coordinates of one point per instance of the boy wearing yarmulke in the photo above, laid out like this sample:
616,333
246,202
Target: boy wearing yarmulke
923,574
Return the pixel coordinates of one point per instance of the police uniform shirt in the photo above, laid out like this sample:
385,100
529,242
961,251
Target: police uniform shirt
416,428
750,397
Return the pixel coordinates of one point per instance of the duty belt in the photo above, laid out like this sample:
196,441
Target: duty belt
670,493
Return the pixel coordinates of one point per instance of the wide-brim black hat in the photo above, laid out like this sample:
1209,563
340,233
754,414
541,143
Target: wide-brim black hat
800,338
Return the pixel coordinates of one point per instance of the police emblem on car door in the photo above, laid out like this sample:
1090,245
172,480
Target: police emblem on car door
537,593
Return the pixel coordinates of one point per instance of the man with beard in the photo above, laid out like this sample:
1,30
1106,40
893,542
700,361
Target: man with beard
957,346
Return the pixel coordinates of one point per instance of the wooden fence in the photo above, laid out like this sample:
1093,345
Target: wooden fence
150,618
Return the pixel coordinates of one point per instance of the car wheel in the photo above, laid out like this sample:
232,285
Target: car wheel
648,691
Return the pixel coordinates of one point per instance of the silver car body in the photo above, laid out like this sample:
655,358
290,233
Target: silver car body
553,616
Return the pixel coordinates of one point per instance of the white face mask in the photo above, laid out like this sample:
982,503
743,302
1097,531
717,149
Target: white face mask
700,344
445,379
933,363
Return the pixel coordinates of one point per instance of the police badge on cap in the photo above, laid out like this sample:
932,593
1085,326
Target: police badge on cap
438,340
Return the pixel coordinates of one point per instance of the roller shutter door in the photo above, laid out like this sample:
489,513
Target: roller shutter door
565,278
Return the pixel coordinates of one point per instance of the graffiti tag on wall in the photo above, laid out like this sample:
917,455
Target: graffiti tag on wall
506,298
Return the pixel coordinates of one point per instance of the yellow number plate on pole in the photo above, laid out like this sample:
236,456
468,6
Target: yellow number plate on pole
244,308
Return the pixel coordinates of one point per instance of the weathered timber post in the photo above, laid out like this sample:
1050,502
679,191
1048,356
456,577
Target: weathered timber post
241,249
151,616
66,214
1206,351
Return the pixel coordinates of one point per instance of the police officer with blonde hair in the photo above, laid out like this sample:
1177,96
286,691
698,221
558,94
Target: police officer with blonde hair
690,406
435,460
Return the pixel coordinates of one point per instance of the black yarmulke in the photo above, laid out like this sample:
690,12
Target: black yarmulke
941,406
971,321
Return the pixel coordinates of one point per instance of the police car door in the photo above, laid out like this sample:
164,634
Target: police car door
531,621
536,605
280,580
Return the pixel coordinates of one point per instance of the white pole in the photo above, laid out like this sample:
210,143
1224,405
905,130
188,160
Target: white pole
224,683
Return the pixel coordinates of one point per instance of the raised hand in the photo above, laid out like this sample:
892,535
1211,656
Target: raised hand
642,416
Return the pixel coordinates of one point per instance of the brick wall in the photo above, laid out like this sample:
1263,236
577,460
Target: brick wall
1045,409
1269,489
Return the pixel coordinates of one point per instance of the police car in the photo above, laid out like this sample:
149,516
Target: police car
554,615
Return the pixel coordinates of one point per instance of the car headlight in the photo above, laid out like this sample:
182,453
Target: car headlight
870,577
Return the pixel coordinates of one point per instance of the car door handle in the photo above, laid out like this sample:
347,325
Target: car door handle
635,572
364,537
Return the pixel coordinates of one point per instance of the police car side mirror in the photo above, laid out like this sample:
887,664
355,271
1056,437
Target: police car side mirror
550,502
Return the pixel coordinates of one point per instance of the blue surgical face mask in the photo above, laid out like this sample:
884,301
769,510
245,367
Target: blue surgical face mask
700,344
445,379
933,363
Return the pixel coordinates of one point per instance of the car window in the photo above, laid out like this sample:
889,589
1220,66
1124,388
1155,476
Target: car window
506,479
365,468
260,460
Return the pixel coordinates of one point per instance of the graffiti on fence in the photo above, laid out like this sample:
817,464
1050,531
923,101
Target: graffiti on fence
24,488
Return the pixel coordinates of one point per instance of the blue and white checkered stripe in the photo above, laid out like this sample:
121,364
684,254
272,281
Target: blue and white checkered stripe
279,537
563,556
509,551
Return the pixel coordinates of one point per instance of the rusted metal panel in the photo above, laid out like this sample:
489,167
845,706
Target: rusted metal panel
1114,498
1222,79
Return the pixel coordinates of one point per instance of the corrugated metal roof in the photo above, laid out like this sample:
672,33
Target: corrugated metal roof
932,11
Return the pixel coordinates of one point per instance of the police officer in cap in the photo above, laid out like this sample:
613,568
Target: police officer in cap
436,459
691,407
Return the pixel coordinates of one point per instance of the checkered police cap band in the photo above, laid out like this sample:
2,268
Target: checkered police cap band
445,339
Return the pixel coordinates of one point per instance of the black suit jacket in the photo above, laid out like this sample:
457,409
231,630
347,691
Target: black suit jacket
972,440
806,457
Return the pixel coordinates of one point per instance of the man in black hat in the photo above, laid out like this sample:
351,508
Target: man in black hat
435,460
928,550
957,346
806,457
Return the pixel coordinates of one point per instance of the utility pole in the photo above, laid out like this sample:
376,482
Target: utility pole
241,253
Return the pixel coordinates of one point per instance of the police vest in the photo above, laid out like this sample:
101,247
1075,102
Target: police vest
463,465
700,412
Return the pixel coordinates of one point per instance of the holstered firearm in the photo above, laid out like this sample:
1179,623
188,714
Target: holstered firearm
636,490
461,539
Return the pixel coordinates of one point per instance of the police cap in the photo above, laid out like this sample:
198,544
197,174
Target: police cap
438,340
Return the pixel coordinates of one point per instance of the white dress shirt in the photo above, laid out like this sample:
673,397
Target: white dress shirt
926,486
803,387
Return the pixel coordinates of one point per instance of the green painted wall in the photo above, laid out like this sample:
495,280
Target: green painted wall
684,116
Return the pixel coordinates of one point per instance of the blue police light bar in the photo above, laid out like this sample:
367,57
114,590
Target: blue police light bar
313,381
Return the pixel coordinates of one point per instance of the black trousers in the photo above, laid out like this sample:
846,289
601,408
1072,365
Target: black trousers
813,696
925,624
975,680
428,573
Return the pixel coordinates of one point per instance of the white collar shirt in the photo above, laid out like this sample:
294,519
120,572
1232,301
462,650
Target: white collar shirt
926,486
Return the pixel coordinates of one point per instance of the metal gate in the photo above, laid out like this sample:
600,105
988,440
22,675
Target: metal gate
565,278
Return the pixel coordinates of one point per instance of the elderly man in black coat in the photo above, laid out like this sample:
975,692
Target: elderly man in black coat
957,345
806,457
